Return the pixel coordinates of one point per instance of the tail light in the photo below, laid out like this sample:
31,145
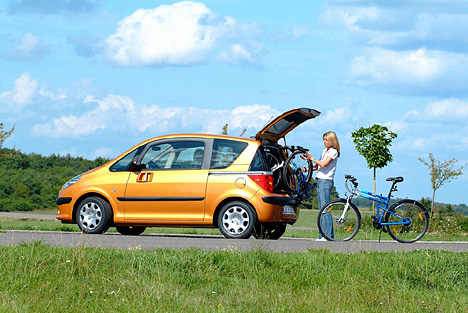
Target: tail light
264,181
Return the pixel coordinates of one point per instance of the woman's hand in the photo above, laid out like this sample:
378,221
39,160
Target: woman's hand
308,156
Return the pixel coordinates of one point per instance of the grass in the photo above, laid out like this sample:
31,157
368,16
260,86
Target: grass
38,278
307,219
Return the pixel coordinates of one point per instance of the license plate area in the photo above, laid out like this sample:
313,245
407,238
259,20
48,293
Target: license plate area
287,209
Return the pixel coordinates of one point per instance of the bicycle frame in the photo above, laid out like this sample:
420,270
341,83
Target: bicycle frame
382,204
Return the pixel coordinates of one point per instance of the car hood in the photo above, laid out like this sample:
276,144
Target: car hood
283,124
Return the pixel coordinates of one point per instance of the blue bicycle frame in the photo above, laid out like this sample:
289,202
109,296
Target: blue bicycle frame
382,207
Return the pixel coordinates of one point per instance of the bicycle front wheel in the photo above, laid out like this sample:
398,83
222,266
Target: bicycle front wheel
408,221
339,221
294,167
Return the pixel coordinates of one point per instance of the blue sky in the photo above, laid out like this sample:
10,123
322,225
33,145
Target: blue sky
93,78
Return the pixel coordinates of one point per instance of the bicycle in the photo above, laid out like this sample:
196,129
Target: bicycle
406,221
295,173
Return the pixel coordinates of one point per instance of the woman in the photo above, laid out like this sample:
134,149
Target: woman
326,168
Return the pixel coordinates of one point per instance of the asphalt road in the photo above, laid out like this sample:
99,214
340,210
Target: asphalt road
215,243
209,243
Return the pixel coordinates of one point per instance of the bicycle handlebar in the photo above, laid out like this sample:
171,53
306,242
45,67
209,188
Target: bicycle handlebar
353,180
294,148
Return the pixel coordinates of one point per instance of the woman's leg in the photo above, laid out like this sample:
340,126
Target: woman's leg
324,187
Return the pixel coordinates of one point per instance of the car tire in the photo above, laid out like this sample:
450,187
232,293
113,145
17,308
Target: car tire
272,231
93,215
236,220
130,230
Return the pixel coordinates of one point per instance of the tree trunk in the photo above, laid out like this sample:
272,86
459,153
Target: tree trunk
432,204
373,203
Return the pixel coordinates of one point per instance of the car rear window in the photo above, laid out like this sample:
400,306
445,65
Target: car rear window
259,162
225,152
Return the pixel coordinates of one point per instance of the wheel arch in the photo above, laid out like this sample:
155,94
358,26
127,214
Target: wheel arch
87,195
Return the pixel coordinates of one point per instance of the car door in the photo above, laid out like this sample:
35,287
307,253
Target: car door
171,185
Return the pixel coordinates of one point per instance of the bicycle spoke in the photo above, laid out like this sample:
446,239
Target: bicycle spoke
408,221
339,222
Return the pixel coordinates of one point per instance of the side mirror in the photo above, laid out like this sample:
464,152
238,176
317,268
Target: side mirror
135,167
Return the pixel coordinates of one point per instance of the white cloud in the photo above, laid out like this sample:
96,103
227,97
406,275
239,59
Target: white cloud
439,126
24,91
116,114
183,33
415,48
411,72
31,48
237,55
452,109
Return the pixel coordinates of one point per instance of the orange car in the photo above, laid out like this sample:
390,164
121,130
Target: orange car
187,180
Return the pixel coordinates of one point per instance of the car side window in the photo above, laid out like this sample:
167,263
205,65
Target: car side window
259,162
174,155
225,152
122,164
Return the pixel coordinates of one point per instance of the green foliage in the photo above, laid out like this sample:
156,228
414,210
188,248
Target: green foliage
32,181
441,172
372,143
4,135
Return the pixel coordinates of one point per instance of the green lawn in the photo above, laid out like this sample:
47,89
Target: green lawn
38,278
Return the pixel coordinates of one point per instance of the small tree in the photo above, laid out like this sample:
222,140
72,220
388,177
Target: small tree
4,134
372,143
441,172
225,130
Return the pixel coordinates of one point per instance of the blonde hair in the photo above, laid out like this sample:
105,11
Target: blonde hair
332,140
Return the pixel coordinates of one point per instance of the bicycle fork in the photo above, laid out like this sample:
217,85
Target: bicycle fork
342,218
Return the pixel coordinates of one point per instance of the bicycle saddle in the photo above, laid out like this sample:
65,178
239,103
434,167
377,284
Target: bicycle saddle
398,179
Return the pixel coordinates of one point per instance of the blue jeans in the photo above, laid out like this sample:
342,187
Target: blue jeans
324,187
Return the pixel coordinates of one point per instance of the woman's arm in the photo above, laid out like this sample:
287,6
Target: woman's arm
319,163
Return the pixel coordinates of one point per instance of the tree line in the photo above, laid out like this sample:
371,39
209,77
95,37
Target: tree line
32,181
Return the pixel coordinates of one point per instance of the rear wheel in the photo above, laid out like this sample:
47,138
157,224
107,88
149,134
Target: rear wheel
339,221
295,168
130,230
271,231
93,215
410,221
237,219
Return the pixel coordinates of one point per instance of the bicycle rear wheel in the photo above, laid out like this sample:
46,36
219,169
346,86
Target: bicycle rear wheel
338,221
292,170
410,221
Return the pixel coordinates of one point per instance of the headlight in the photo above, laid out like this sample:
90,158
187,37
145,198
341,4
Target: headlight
72,181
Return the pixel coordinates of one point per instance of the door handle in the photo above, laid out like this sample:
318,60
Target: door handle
144,177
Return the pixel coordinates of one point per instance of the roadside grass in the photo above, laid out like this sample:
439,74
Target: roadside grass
38,278
305,227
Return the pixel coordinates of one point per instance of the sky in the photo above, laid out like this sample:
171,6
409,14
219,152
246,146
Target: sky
95,77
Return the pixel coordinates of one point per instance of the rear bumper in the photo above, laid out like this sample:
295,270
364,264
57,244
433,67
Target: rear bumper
279,201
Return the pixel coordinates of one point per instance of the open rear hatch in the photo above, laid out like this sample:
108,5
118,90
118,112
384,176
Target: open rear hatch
283,124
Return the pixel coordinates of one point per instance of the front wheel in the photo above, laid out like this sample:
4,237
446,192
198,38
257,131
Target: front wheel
93,215
408,221
236,220
339,220
296,171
